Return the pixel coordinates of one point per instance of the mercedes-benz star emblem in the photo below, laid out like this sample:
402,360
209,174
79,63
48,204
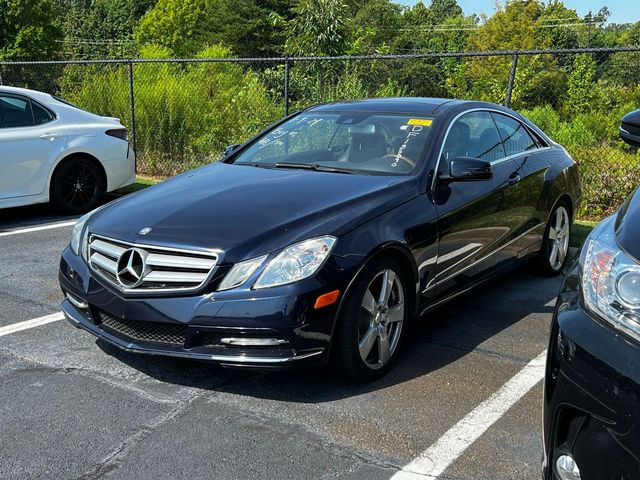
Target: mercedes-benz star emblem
131,268
145,230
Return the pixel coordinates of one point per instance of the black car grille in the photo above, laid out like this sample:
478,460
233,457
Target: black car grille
144,331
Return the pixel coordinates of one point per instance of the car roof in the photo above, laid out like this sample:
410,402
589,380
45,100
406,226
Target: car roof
41,96
413,105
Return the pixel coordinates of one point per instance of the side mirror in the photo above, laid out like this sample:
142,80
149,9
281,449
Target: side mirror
630,128
468,169
230,149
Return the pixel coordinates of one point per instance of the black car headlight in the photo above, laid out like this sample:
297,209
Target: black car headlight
611,280
79,235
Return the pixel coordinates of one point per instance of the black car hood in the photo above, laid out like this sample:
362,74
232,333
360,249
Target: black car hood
247,211
628,225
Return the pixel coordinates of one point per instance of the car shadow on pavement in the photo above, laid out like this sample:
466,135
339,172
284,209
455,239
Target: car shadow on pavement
513,307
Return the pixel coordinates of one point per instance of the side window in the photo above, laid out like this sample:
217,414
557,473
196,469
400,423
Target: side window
514,134
15,112
472,135
41,115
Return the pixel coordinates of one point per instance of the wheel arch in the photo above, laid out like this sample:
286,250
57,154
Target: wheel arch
77,155
398,252
566,198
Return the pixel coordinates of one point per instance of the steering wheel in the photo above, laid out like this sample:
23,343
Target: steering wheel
407,160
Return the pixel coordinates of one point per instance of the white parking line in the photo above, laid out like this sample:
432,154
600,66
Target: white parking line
27,324
438,457
49,226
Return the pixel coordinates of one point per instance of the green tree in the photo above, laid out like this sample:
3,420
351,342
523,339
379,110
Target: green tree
623,70
319,27
516,26
176,25
27,31
374,26
101,28
581,83
247,27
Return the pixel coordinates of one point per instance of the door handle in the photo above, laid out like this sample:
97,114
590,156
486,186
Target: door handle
514,179
49,136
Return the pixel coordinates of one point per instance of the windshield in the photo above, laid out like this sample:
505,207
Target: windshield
343,141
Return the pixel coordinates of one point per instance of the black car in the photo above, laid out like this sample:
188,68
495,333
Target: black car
320,238
630,128
592,381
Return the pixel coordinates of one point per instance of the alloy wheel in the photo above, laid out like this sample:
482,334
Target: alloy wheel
559,238
79,186
381,319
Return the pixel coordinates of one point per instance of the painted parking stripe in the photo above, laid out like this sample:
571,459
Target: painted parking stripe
27,324
49,226
438,457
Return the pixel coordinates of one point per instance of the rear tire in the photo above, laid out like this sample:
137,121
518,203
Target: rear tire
554,252
372,324
77,186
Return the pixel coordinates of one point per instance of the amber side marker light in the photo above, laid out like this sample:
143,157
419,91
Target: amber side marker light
327,299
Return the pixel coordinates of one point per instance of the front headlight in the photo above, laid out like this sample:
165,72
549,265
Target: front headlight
296,262
79,234
240,273
611,280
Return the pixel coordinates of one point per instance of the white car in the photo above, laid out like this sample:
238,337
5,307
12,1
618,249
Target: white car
53,151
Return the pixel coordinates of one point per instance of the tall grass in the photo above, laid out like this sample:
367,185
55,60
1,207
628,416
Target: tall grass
185,114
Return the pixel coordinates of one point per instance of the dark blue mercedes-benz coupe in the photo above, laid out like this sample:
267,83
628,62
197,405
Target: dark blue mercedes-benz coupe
318,240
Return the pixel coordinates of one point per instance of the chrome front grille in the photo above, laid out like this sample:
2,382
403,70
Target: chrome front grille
145,268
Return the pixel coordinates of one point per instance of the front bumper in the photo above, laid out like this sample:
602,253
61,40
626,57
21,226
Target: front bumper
592,394
201,325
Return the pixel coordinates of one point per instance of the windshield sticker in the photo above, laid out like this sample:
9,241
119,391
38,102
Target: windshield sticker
425,122
414,131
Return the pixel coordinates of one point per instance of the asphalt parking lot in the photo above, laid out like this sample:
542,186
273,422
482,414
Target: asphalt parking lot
464,401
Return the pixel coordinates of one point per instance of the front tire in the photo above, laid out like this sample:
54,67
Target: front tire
373,321
554,252
77,186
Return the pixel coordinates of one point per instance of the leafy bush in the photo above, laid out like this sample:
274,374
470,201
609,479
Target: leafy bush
185,114
610,170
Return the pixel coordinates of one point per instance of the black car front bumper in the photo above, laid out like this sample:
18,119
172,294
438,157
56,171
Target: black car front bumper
592,395
217,328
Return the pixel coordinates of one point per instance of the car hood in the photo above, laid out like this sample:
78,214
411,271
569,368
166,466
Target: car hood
248,211
628,225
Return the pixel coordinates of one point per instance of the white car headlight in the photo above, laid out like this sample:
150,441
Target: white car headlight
611,280
296,262
240,273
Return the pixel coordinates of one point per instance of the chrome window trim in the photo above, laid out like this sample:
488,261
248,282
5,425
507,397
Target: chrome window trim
512,156
495,162
216,254
434,284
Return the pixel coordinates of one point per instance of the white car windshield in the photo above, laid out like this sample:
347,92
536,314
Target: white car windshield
351,142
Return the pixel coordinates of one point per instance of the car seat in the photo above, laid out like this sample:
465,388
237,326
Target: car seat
489,145
366,146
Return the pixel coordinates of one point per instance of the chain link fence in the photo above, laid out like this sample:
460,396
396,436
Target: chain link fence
181,113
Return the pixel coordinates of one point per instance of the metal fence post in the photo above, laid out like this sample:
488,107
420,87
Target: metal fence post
286,87
1,83
132,112
512,79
